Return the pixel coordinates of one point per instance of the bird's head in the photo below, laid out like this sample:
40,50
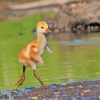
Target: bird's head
42,27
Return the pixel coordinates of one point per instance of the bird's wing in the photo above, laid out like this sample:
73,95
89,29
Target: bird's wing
34,51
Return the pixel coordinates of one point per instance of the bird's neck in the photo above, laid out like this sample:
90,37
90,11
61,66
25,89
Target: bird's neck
41,38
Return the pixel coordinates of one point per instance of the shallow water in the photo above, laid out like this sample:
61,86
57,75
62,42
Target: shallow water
71,61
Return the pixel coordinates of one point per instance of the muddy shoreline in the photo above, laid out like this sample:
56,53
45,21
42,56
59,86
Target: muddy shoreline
82,90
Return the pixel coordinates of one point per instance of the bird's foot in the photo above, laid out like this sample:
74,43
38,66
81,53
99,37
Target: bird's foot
14,92
19,83
44,86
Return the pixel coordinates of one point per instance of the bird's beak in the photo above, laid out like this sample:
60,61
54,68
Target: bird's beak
48,30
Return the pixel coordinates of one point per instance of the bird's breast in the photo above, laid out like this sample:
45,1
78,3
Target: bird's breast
42,46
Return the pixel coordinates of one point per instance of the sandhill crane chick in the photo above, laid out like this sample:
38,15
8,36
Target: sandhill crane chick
31,54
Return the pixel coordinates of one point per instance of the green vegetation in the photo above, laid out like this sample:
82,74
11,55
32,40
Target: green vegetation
67,63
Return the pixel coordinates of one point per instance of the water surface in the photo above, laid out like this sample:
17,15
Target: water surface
71,61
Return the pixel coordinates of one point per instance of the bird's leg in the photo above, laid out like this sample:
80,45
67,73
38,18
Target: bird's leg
22,79
36,74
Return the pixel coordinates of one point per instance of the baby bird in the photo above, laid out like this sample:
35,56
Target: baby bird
31,54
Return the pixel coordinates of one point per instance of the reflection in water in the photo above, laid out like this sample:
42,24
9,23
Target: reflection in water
70,61
82,59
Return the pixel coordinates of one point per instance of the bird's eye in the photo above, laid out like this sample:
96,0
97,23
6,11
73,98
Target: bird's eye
42,27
